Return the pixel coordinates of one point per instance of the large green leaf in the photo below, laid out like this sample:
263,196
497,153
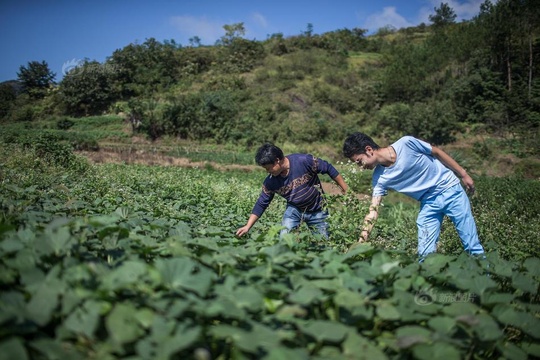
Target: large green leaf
403,284
434,263
282,353
162,326
165,344
437,350
128,273
461,308
223,307
183,272
55,241
355,283
7,275
250,340
331,285
508,315
532,265
10,245
102,221
349,299
410,335
122,323
500,266
85,319
487,328
358,347
324,330
512,351
266,337
306,295
205,243
387,311
13,348
442,324
53,349
533,349
359,251
45,297
493,298
477,284
383,264
246,297
32,276
177,307
525,283
291,312
24,260
12,306
408,314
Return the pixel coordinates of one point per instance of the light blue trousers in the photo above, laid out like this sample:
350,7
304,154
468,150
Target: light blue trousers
454,203
316,221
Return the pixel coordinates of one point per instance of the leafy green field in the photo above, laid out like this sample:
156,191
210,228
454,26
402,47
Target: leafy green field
141,262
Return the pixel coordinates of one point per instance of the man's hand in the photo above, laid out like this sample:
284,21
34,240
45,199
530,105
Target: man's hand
370,218
468,182
243,230
363,236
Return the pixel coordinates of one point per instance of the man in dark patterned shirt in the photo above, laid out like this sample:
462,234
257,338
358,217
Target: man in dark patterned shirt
295,178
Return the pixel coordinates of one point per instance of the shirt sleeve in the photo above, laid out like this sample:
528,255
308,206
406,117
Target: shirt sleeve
324,167
418,145
265,198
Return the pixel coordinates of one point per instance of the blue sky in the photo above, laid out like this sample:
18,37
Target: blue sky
59,31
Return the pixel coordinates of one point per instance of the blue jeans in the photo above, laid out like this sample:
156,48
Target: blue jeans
316,221
454,203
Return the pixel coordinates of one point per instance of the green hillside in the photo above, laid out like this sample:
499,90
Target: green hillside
452,84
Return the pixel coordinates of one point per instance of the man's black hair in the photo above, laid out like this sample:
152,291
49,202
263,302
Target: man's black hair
268,154
356,144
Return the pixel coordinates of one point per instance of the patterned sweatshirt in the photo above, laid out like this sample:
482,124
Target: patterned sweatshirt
300,188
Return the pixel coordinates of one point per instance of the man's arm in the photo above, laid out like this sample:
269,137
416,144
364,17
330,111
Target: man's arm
244,229
341,183
452,164
371,217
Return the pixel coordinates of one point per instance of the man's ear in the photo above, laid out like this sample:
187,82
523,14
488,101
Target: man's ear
368,148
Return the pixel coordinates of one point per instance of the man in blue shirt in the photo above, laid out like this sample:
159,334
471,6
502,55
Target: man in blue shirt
425,173
295,178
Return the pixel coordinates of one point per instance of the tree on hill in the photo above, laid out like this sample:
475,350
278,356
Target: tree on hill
444,15
87,89
36,78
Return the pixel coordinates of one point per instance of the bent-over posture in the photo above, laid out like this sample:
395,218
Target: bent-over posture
424,172
295,178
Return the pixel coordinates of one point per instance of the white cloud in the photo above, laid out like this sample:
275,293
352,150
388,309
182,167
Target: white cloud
467,10
464,10
388,17
259,20
208,31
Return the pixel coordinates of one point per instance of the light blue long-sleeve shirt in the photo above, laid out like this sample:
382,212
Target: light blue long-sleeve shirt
416,172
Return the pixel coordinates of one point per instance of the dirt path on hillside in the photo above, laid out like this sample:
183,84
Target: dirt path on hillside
144,158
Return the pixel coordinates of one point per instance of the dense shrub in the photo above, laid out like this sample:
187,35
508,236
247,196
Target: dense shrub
507,210
64,124
434,122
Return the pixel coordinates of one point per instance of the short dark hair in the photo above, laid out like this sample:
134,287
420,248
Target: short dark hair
268,154
356,144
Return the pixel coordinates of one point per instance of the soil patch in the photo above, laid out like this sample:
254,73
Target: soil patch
145,158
